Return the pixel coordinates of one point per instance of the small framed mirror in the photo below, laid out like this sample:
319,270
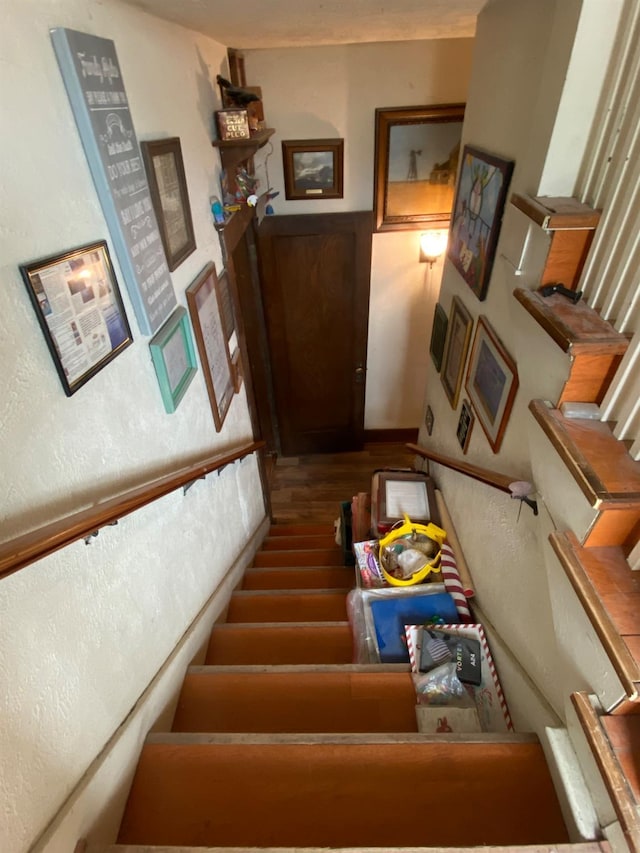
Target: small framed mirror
416,164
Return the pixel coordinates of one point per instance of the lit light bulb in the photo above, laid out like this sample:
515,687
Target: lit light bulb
432,245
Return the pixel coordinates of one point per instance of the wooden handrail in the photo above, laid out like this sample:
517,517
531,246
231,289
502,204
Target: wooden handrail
484,475
33,546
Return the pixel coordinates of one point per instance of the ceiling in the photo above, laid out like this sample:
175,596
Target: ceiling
247,24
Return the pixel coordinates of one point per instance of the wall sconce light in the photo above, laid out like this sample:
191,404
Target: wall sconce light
432,245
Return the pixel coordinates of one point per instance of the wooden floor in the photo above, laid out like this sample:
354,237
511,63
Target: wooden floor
311,488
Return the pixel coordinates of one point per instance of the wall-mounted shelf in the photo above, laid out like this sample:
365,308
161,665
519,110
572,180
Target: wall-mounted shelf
234,152
237,150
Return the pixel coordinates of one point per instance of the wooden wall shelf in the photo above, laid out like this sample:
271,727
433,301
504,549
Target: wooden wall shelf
235,152
256,141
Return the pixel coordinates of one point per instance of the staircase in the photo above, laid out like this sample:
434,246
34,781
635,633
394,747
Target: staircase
591,485
279,741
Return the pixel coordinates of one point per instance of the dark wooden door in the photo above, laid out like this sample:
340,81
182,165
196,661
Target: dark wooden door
315,284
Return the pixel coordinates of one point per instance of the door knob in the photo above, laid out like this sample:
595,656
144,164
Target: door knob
360,373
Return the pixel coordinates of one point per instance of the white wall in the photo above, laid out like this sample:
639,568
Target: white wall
328,92
519,107
83,632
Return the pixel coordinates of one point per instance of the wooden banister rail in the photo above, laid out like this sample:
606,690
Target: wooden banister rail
33,546
484,475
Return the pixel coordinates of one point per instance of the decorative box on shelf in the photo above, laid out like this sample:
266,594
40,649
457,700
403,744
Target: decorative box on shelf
233,124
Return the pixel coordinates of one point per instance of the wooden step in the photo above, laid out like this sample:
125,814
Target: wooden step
580,847
332,577
594,346
315,557
296,643
610,595
294,701
300,543
314,605
615,744
604,471
301,530
343,792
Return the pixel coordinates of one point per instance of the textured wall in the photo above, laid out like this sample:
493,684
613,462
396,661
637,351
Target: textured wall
84,631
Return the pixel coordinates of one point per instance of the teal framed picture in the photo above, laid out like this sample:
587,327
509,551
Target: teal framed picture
174,358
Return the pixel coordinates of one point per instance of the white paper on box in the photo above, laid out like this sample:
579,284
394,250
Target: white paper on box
404,497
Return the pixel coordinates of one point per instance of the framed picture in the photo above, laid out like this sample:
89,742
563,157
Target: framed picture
465,425
174,358
428,420
417,150
207,311
229,326
312,168
168,188
455,350
477,216
80,311
492,382
438,336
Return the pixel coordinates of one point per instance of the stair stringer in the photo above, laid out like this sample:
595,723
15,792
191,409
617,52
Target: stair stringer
587,666
557,488
523,695
600,797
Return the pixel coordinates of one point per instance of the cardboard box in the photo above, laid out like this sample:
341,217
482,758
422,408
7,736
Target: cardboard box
442,720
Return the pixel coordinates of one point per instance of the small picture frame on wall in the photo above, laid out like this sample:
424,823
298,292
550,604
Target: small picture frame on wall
428,420
168,189
492,382
79,308
229,325
207,311
438,336
465,425
455,350
312,168
174,358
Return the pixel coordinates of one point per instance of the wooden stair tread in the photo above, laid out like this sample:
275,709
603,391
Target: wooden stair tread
300,542
338,739
621,790
610,594
306,557
600,463
623,732
202,794
312,605
310,529
290,577
556,212
579,847
330,701
256,643
575,328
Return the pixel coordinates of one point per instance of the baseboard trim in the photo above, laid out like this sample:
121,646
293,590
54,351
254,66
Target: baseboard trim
390,436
